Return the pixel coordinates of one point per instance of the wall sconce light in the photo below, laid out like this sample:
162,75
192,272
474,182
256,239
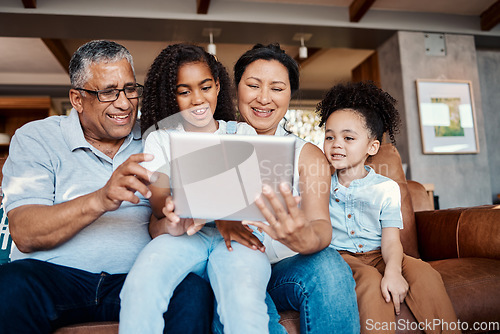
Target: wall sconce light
211,32
212,48
302,37
302,49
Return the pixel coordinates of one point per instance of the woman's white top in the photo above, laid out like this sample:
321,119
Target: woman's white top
275,250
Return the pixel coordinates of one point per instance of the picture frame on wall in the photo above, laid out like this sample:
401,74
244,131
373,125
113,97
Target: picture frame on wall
447,116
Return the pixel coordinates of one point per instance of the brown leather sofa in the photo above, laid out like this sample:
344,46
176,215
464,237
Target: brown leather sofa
462,244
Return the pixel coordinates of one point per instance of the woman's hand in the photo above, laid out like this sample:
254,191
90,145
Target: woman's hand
288,224
173,224
232,230
305,229
393,284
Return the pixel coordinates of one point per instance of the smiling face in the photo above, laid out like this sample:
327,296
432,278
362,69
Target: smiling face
106,123
264,95
348,143
197,93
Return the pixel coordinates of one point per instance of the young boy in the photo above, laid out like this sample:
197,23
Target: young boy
365,211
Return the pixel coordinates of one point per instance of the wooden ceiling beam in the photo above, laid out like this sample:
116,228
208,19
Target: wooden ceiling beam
358,9
29,3
59,51
490,17
202,6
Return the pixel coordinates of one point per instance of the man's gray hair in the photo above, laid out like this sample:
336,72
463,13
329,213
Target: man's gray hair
93,52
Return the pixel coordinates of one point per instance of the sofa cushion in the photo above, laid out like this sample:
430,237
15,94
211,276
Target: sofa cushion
90,328
291,321
473,285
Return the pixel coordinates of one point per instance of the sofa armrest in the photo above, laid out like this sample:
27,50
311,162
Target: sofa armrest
459,232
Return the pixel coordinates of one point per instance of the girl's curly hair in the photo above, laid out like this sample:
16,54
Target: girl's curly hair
159,97
375,105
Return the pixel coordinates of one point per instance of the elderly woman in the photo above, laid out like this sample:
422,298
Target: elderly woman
307,275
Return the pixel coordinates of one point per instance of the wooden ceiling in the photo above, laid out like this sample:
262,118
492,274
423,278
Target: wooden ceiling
344,31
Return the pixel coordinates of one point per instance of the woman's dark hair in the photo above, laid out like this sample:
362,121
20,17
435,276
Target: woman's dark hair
376,106
268,52
159,98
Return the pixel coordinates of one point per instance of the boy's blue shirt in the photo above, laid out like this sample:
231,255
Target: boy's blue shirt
358,213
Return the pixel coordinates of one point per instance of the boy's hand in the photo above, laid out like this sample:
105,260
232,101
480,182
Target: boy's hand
231,230
393,284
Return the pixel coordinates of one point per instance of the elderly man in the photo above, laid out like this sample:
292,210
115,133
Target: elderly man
77,203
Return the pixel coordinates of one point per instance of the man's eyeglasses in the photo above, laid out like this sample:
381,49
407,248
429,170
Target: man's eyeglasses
111,95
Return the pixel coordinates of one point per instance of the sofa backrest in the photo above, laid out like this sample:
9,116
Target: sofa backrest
387,162
460,232
419,197
478,232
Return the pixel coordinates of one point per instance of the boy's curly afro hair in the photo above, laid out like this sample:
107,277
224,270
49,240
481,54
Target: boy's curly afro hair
375,105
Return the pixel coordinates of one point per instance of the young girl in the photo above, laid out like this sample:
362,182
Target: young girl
186,90
365,212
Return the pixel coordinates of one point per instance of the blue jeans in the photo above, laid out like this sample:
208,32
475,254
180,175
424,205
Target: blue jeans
238,279
39,297
274,318
321,287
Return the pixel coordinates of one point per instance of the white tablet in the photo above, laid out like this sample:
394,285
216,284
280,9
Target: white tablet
220,176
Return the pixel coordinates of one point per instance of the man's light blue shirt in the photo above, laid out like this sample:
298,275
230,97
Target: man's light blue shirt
360,212
50,162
